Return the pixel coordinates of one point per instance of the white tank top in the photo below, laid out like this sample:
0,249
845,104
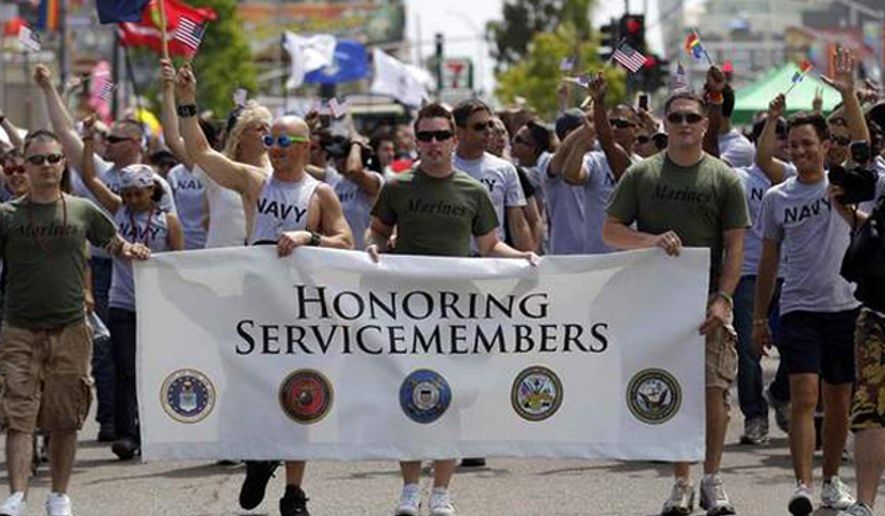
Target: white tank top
227,220
282,206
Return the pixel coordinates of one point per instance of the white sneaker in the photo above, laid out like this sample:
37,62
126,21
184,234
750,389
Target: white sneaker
835,494
714,498
858,509
441,503
58,504
409,501
14,505
681,499
800,502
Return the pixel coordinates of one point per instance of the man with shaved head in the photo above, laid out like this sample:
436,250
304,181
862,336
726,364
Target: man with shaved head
288,209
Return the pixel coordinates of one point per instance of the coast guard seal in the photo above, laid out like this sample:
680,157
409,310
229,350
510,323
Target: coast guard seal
306,396
187,396
424,396
536,394
654,396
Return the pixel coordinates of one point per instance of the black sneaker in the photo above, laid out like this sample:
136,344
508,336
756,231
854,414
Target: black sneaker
294,502
125,448
258,473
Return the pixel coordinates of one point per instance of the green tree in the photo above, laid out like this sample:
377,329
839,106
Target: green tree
522,19
537,76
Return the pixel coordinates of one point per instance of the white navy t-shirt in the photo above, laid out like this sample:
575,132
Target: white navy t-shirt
756,183
500,178
736,150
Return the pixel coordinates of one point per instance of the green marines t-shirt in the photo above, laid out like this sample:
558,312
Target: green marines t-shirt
435,216
44,252
699,203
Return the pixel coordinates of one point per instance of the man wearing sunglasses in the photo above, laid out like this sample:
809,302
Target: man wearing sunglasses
290,209
436,210
818,310
685,197
473,121
47,345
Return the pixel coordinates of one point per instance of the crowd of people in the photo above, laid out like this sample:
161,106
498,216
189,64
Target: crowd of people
84,199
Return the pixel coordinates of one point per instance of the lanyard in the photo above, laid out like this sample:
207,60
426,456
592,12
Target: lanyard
147,227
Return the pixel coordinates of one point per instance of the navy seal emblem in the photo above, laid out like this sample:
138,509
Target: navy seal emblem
654,396
424,396
536,394
306,396
187,395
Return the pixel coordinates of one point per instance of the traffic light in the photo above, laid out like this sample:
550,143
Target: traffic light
656,74
632,29
608,40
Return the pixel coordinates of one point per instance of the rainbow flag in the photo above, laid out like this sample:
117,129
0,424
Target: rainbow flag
693,46
48,21
804,67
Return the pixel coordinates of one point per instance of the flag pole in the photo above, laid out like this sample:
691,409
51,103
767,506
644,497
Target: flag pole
706,54
165,43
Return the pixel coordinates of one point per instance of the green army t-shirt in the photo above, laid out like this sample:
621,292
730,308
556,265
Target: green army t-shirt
435,216
44,253
698,202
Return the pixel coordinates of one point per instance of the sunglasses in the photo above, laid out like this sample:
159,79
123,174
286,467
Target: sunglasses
682,118
643,139
39,159
427,136
283,141
14,170
482,126
621,123
117,139
840,140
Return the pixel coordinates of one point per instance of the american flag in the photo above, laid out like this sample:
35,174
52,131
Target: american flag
567,64
338,109
680,82
629,57
104,86
189,33
29,39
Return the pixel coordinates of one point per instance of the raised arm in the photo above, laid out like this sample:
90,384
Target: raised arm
12,132
62,122
102,193
369,182
561,156
714,86
169,117
843,82
573,168
618,159
765,160
230,174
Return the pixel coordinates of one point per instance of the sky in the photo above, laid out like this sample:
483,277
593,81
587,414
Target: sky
462,21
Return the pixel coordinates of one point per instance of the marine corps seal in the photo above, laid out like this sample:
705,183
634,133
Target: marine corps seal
654,396
424,396
536,394
187,396
306,396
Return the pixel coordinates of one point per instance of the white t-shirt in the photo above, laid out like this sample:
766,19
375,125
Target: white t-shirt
500,178
756,183
355,203
736,150
597,191
189,191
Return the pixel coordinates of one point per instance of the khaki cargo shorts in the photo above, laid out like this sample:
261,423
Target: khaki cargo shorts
44,377
721,355
868,405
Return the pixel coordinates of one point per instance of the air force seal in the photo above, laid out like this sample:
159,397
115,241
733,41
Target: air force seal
424,396
187,396
306,396
654,396
536,394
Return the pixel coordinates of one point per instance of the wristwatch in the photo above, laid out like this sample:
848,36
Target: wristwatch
187,110
315,239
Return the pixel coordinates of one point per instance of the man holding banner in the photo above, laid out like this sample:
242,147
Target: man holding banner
684,197
435,210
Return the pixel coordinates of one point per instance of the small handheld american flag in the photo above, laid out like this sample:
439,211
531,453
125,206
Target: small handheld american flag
189,33
629,57
104,86
29,39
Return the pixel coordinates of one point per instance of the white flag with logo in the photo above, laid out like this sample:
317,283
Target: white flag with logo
308,54
406,83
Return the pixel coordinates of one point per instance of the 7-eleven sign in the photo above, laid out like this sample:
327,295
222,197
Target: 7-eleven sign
457,73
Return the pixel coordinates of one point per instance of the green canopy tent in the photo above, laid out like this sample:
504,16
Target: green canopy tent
755,97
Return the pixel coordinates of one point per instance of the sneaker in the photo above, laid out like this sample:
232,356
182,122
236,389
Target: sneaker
800,502
835,494
441,503
714,498
409,501
858,509
781,411
293,502
58,504
258,473
14,505
473,462
125,448
681,499
755,431
106,433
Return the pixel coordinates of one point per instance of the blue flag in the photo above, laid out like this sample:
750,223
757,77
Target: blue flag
116,11
351,63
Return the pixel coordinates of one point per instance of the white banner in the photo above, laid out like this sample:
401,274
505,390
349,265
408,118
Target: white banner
326,355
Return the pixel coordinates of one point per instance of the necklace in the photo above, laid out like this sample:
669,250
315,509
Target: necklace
147,227
41,241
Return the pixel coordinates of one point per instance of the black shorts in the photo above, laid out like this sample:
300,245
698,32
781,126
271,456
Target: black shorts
819,343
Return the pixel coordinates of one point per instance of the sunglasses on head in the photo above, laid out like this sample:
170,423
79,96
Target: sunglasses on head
621,123
840,140
284,140
39,159
681,118
117,139
482,126
427,136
